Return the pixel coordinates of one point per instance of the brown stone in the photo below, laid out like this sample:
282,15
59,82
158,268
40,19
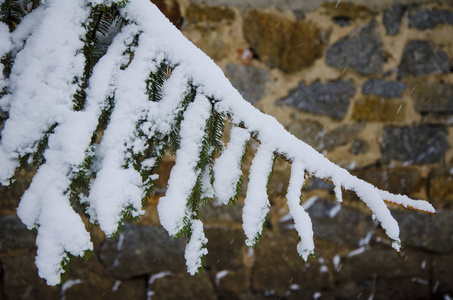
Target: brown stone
377,109
10,196
442,279
287,45
170,8
209,15
440,191
347,10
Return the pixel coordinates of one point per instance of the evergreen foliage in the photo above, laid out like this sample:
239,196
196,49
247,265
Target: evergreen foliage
129,89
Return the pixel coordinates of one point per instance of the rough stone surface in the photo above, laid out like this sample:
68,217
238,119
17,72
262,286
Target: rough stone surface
287,45
361,50
346,10
383,88
311,132
10,196
377,109
170,8
420,231
423,19
440,188
331,98
414,145
318,184
15,235
341,135
278,266
142,250
442,275
182,286
229,214
248,80
392,18
196,14
20,279
421,58
400,180
433,97
358,147
88,279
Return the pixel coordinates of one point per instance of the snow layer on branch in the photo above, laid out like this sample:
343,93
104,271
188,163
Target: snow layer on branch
301,218
212,82
172,207
117,186
227,168
256,203
195,248
42,77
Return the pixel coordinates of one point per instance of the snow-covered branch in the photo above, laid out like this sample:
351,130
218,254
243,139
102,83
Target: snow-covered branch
148,90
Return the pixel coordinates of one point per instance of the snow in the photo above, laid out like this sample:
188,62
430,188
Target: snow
227,168
256,203
195,248
302,220
172,207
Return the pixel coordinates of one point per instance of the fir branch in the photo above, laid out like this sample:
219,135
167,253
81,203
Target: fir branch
38,156
11,13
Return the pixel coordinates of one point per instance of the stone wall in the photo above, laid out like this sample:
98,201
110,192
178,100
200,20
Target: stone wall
371,87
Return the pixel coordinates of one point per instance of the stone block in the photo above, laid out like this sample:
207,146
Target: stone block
400,180
309,131
140,250
225,248
442,280
377,109
440,192
210,213
383,88
391,18
248,80
423,19
278,267
209,15
414,145
420,231
361,50
422,58
433,97
358,147
180,286
331,98
342,135
14,236
282,43
20,279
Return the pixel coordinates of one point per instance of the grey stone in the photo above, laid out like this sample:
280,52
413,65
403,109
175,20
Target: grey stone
181,286
248,80
142,250
420,231
342,135
421,58
392,19
423,19
344,227
21,281
225,248
213,214
383,88
433,97
331,98
316,183
361,50
14,235
414,145
311,132
442,276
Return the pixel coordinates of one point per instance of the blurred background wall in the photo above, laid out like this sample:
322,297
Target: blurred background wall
370,85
